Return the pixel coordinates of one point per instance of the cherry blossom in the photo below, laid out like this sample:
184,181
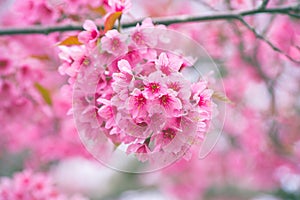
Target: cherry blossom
166,65
154,86
113,42
138,104
120,5
202,95
171,104
143,35
90,36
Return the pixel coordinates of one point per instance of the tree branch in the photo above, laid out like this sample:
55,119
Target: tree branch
39,30
290,10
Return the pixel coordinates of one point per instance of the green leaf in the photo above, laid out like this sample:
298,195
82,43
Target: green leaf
44,92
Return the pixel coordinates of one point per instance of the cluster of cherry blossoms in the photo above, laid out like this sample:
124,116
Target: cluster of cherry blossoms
29,81
27,185
142,98
32,101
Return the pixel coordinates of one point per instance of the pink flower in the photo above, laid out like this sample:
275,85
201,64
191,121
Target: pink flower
168,132
125,67
114,43
123,80
167,65
36,12
90,35
201,95
154,86
106,111
27,74
73,58
120,5
179,84
138,104
171,104
142,151
165,137
118,136
144,35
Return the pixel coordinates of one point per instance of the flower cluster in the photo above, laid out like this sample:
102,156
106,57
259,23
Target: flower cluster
28,186
143,100
33,107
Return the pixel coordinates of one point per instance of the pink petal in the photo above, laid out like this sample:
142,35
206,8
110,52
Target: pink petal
89,25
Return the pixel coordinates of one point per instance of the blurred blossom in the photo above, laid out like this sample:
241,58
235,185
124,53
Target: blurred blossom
27,185
120,5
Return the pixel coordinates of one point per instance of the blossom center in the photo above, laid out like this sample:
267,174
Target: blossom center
140,100
165,99
201,101
154,87
94,34
169,133
115,43
138,38
174,86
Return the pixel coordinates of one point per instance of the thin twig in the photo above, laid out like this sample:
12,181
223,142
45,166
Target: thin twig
262,38
283,10
264,4
228,4
270,84
119,24
293,15
205,4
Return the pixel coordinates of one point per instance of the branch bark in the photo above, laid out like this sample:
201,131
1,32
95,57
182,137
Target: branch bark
291,10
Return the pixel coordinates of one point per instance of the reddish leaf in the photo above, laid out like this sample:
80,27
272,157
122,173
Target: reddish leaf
69,41
111,19
40,57
99,10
